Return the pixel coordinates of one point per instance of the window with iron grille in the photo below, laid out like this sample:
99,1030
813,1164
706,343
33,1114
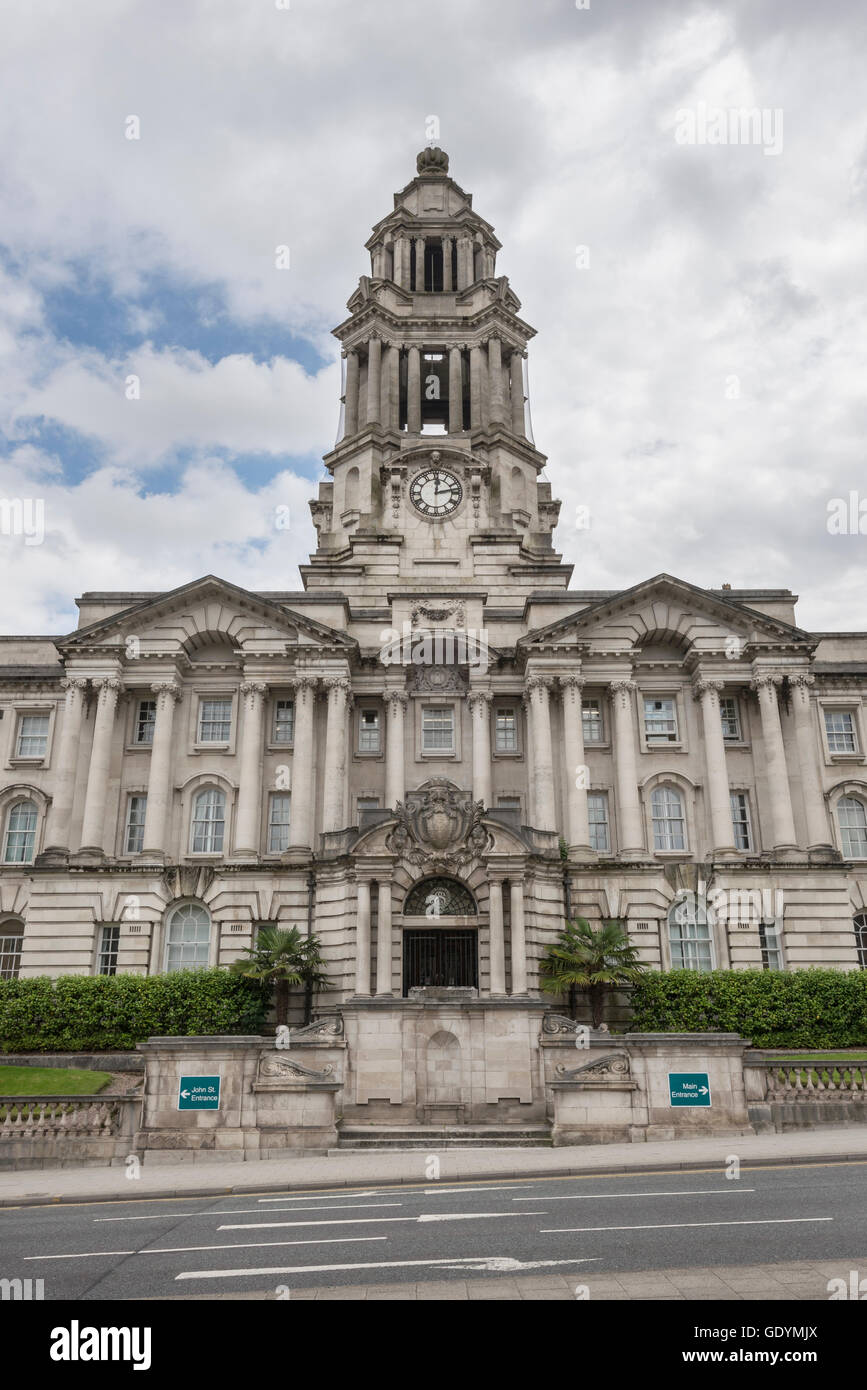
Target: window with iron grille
772,949
840,731
145,721
743,830
369,731
136,809
109,943
669,827
215,721
597,814
438,729
689,936
32,736
284,721
660,721
507,729
440,957
730,717
278,822
11,937
860,923
591,720
20,841
209,822
852,819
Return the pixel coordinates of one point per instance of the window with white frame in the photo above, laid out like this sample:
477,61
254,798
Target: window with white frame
215,721
840,731
284,721
369,731
772,946
109,944
591,720
743,831
660,720
136,808
669,825
367,803
188,938
19,841
852,819
506,729
145,721
208,822
689,935
32,740
11,937
597,814
438,729
279,808
730,717
860,924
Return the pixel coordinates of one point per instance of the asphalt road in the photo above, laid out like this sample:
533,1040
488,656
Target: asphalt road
591,1225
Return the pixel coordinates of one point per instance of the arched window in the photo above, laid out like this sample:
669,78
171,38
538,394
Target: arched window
689,935
188,938
439,897
669,826
860,924
209,822
20,840
852,818
11,936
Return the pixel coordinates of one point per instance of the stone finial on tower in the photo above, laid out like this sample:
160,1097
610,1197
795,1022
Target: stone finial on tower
432,160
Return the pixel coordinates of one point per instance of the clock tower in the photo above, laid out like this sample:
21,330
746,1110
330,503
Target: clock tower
435,480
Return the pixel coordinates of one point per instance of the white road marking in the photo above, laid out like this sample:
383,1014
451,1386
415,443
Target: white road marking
184,1249
500,1264
679,1225
87,1255
243,1211
321,1197
464,1192
615,1196
379,1220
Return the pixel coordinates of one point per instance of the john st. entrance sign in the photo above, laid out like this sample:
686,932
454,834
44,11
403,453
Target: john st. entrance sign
688,1088
199,1093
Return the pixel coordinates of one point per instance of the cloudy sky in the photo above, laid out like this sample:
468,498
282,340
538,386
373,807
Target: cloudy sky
698,380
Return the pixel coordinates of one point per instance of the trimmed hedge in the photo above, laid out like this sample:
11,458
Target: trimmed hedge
108,1013
773,1008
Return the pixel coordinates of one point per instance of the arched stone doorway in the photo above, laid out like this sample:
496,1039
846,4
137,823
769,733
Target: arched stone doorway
440,936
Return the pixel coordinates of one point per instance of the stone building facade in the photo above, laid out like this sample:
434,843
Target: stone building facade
436,750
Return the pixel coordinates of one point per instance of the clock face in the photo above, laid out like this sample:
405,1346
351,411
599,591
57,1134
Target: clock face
435,492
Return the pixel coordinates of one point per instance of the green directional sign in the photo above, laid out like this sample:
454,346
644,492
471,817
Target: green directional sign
688,1088
199,1093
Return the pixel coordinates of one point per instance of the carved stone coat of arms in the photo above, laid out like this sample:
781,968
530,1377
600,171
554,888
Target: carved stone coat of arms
440,825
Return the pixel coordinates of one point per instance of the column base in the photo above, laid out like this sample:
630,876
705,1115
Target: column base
298,854
583,853
826,853
156,857
788,852
88,854
245,856
55,855
726,852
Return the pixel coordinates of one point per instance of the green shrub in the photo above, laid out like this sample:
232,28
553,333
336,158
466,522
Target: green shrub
110,1013
773,1008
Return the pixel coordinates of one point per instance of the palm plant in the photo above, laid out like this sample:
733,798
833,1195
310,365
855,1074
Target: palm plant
280,959
594,960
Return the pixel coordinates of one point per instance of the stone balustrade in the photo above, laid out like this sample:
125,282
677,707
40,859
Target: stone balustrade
784,1095
47,1131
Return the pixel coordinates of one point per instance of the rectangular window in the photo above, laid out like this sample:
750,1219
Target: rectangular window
278,823
660,721
669,830
741,820
215,721
284,721
731,722
32,736
10,950
591,719
368,731
20,842
597,812
135,823
367,803
109,941
438,729
145,721
840,731
772,949
690,945
507,730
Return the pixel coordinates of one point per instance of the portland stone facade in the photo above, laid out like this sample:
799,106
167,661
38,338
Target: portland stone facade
435,751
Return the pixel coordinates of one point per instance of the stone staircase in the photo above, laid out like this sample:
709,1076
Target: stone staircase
434,1137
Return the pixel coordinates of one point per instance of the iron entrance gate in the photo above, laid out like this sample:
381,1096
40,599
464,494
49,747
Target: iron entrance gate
440,957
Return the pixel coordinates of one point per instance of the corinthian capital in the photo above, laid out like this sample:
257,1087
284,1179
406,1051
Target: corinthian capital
337,685
802,678
705,685
73,684
107,685
572,681
766,680
395,699
538,682
169,689
301,683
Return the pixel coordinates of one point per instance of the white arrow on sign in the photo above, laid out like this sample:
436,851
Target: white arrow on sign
185,1094
702,1090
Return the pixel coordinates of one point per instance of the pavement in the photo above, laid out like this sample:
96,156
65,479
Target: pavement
204,1178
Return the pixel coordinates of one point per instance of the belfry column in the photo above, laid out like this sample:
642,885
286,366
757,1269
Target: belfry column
719,794
571,686
465,262
384,941
335,753
93,825
395,773
350,410
59,815
401,258
159,801
626,766
389,393
419,265
456,401
517,393
448,242
478,385
782,819
413,390
248,817
362,939
536,693
301,817
374,382
480,703
495,382
818,833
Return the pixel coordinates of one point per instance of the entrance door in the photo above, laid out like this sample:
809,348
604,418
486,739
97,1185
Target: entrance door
440,957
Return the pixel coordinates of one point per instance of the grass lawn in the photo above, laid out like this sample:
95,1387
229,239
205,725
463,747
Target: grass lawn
51,1081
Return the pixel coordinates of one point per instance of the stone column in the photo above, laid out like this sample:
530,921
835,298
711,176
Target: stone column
480,702
571,686
413,390
59,815
456,391
818,831
518,936
719,794
401,257
350,410
395,773
537,692
631,834
248,816
374,374
419,265
337,688
384,942
448,287
782,820
498,949
362,940
159,802
301,818
517,393
465,263
389,391
495,382
108,689
477,387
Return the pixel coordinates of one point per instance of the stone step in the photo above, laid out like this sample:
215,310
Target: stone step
442,1137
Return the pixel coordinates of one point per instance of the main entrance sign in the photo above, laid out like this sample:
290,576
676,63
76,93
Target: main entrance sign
199,1093
688,1088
